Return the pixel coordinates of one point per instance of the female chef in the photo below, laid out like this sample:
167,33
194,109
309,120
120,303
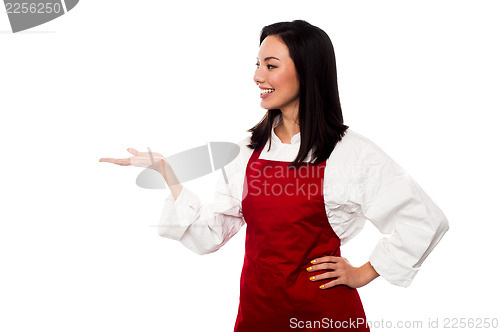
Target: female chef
304,184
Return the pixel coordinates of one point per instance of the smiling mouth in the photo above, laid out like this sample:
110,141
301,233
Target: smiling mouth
265,92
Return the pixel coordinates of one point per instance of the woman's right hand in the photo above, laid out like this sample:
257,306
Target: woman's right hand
152,160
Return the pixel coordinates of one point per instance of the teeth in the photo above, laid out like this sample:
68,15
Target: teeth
263,92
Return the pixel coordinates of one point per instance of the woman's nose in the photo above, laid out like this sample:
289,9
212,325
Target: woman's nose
258,77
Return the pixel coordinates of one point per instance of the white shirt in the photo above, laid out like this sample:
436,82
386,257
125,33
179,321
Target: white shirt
361,182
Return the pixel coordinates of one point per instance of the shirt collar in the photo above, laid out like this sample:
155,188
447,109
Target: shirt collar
278,120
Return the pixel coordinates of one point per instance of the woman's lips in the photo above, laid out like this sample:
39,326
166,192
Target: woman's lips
265,92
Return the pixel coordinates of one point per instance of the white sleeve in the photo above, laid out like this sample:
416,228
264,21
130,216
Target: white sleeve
204,228
398,206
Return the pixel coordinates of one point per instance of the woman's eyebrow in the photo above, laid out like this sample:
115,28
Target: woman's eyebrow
269,58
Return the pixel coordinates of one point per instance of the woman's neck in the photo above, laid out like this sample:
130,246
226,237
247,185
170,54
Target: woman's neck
290,125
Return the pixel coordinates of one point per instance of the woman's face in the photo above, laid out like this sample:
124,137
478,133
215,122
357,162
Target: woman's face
276,75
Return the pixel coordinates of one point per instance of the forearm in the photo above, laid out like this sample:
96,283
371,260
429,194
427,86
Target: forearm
203,228
171,179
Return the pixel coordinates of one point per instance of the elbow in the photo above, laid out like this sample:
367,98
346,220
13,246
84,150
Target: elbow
205,248
445,226
188,242
199,246
202,250
436,224
442,226
170,232
160,231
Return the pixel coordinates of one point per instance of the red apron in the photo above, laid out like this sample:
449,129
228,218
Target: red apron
287,227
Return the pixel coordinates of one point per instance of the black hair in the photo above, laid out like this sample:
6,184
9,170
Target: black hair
320,115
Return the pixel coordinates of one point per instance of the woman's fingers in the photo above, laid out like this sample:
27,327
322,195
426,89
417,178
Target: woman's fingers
332,284
335,272
138,159
341,271
146,154
133,151
332,259
322,266
121,162
335,267
326,275
326,262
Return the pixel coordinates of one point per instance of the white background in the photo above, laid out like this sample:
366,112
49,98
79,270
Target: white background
78,246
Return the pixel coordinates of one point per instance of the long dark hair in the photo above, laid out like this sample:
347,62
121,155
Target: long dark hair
320,115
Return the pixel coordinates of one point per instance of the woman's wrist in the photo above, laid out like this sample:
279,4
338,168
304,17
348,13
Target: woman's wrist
367,273
170,178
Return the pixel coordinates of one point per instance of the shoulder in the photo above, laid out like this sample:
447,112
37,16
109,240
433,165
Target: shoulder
356,158
355,147
245,151
244,154
235,169
245,141
354,141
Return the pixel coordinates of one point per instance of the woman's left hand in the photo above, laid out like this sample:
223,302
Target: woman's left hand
340,268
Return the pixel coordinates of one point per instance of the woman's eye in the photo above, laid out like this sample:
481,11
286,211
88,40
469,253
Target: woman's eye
268,66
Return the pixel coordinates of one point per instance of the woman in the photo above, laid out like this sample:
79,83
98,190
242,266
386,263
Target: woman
304,184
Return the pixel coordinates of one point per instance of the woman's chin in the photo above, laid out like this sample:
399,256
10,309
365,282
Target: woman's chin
267,105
